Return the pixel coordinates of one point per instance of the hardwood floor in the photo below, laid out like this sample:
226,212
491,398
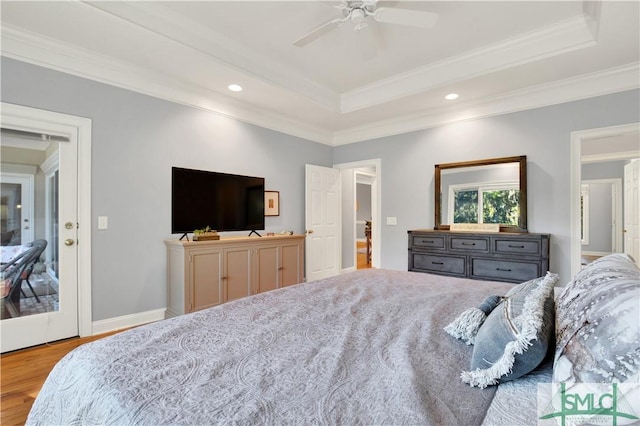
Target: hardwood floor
23,372
362,257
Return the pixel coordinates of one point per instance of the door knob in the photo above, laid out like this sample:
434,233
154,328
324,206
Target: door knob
309,231
69,242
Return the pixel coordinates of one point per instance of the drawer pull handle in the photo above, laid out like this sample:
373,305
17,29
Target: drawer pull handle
468,244
514,246
503,269
427,241
437,263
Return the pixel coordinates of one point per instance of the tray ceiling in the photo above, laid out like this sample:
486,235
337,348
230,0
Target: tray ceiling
498,56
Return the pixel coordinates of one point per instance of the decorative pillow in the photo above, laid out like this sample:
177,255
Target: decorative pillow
515,337
8,253
598,324
466,325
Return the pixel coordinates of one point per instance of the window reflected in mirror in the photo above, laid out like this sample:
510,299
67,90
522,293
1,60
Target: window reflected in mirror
496,205
487,194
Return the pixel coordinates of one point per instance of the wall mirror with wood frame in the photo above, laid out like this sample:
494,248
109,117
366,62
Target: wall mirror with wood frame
484,191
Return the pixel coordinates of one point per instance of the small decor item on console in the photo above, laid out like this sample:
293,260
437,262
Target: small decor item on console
205,234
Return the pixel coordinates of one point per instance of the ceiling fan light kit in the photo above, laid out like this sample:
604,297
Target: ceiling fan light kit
358,12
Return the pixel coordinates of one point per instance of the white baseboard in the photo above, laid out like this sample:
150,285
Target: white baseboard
126,321
345,270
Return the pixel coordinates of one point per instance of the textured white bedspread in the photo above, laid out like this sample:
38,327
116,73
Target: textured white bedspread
362,348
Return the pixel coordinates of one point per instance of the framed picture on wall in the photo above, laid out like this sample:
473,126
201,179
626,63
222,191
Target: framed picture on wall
272,203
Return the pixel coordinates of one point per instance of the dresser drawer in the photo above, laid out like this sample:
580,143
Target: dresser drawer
427,241
469,244
518,247
503,270
445,264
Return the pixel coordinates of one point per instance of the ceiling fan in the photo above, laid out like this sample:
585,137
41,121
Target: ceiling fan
360,10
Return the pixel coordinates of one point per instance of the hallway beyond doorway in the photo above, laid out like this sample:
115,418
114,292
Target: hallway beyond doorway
361,250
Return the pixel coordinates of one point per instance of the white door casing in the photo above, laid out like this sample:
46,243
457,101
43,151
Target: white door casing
74,314
322,222
632,210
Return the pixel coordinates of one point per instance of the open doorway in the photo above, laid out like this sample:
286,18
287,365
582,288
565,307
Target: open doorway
356,215
364,246
598,203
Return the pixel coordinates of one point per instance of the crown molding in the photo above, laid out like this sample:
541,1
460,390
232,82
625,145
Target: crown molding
35,49
53,54
571,34
612,80
218,48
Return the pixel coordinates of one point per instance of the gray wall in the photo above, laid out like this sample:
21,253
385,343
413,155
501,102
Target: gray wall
600,218
604,170
543,135
136,139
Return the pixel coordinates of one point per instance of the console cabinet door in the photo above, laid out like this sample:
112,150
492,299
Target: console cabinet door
205,279
237,272
267,268
291,263
205,274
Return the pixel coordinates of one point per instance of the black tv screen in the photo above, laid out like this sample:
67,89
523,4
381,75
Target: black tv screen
224,202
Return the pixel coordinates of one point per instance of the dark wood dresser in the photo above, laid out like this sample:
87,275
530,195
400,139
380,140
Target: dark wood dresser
501,256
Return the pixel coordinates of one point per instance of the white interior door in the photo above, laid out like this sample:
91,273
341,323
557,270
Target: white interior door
632,210
17,193
56,315
322,221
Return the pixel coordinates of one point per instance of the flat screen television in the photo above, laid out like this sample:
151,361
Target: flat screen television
224,202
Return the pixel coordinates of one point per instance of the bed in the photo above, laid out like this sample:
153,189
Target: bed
366,347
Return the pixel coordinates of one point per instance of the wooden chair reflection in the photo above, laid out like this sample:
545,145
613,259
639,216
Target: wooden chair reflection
16,271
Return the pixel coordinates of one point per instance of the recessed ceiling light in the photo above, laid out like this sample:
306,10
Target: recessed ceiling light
235,87
451,96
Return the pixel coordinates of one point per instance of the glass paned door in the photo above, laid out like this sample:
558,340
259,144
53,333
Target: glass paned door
29,284
40,279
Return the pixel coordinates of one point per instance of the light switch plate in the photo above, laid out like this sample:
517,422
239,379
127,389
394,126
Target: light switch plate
103,222
392,220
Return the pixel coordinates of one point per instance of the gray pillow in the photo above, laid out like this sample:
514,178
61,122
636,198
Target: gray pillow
515,337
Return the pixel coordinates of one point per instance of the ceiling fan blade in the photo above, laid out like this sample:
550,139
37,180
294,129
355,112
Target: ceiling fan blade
413,18
320,31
